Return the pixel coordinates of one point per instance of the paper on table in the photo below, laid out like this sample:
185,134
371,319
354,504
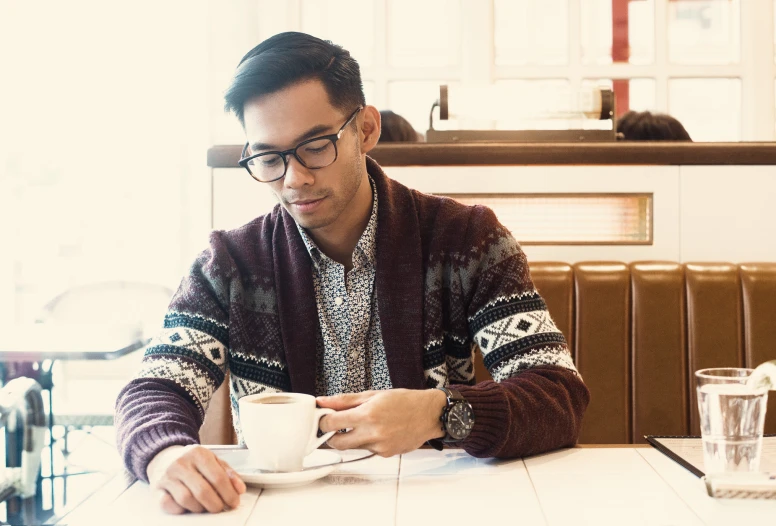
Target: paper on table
688,451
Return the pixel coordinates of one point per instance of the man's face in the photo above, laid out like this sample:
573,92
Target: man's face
279,121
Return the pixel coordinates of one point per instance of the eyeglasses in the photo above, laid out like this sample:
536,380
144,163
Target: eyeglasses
315,153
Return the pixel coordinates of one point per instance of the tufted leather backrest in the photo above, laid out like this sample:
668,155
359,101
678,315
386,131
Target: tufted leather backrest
638,331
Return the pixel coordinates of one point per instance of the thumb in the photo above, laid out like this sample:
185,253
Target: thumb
344,401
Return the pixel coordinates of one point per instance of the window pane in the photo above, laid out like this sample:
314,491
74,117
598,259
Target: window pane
709,109
369,91
413,99
541,94
641,93
423,34
704,31
323,18
274,17
636,41
531,32
74,217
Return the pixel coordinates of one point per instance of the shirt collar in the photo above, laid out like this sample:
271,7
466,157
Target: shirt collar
365,252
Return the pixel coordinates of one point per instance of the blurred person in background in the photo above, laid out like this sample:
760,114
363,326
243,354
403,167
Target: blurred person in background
395,128
647,126
355,289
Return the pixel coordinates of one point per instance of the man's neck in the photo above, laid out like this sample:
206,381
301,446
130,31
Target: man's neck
338,241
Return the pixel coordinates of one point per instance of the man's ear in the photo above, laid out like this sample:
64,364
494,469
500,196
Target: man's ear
369,132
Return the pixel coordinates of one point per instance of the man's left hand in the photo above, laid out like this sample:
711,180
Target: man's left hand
385,422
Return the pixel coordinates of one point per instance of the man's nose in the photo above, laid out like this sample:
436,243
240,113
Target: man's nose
297,175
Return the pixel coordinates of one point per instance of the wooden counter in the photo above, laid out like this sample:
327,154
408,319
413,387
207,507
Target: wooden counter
622,153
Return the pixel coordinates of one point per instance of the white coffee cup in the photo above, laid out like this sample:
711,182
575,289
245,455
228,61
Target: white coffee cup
280,429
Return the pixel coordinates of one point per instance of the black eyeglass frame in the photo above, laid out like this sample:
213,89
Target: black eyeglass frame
334,137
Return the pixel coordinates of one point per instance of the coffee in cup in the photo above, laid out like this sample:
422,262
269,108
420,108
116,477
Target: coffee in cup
280,429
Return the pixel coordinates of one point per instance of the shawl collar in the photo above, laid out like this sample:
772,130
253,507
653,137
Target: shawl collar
398,285
296,302
399,280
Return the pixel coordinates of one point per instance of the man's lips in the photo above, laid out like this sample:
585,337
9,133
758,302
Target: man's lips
306,205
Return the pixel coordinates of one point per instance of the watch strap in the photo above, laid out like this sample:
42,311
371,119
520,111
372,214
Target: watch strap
438,443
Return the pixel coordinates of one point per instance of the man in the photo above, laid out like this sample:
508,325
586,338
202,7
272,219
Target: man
355,289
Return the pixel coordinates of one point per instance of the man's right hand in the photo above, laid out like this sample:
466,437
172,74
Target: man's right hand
192,478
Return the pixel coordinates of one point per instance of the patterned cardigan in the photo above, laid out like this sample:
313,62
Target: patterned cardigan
448,277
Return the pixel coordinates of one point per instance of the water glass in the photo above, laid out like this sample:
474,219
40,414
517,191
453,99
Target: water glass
732,420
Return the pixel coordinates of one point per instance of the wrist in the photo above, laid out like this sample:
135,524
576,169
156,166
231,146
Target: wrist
437,403
159,463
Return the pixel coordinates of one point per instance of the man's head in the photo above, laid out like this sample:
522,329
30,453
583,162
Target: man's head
294,87
288,58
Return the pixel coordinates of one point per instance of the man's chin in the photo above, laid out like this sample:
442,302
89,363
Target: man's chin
311,223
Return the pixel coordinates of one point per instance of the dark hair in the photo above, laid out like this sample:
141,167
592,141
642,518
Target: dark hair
646,126
288,58
395,128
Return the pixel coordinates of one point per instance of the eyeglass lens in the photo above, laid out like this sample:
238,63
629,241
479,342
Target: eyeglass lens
316,154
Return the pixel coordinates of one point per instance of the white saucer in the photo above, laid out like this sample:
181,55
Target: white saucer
240,461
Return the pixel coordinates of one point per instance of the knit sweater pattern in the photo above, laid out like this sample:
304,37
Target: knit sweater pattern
449,277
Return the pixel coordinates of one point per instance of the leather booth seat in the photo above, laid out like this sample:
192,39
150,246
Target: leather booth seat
637,332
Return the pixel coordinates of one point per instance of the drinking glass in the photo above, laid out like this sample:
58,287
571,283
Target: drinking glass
732,420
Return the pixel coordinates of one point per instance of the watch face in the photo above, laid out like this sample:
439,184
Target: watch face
460,420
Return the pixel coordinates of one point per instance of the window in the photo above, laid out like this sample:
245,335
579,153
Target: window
608,36
100,146
641,92
704,31
424,33
324,19
652,52
709,109
531,32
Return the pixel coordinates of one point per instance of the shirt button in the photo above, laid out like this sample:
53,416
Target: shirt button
353,355
338,301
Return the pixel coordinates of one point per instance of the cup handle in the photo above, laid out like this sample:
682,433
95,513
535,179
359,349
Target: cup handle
316,441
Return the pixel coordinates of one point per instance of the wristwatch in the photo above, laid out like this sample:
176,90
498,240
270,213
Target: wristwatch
457,419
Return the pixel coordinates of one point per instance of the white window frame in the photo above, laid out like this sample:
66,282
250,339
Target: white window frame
756,69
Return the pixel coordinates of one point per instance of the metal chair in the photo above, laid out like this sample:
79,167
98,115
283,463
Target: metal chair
22,414
110,303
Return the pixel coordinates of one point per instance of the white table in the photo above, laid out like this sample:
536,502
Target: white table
52,341
584,485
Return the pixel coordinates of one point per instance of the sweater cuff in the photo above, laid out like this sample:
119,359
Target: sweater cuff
491,408
148,444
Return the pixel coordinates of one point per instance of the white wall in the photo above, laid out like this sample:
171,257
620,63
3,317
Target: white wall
701,213
728,210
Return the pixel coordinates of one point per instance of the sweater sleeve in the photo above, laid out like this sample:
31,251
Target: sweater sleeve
165,404
536,400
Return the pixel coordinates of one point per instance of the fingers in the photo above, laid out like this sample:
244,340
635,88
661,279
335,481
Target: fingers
205,493
199,481
215,474
182,496
344,401
341,420
237,483
353,440
168,504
